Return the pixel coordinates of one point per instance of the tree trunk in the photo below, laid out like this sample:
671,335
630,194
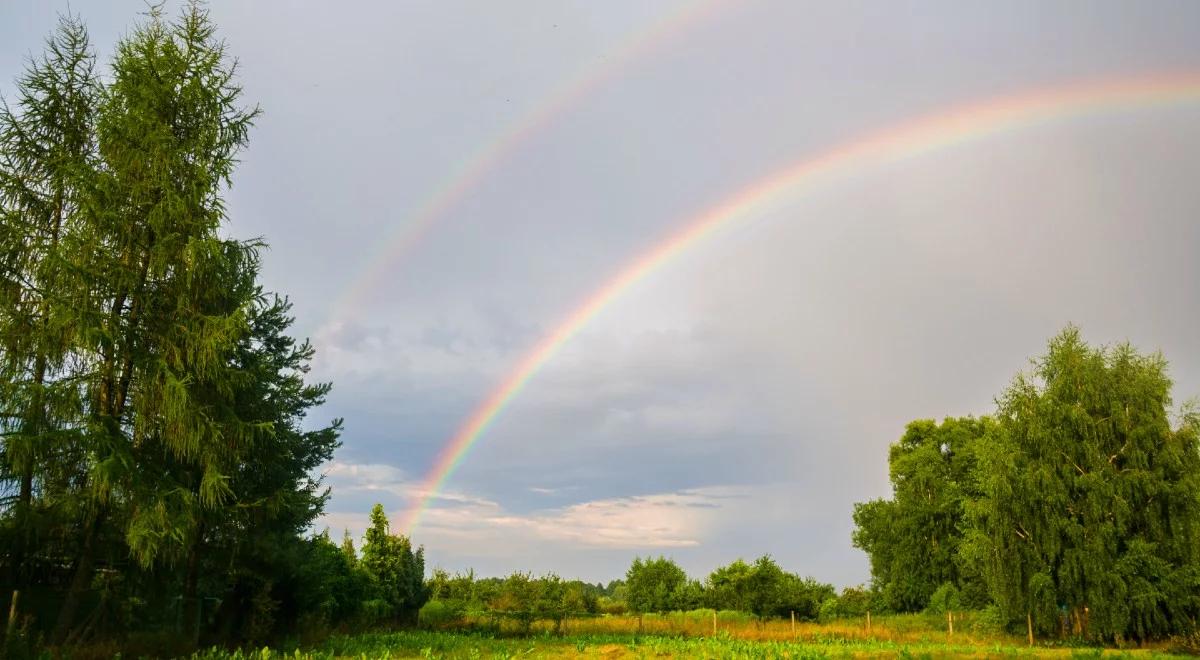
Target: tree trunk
24,510
191,602
80,581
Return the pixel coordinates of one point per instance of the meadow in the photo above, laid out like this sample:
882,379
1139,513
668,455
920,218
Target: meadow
689,635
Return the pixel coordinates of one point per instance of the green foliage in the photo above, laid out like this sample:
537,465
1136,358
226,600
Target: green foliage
913,539
853,602
804,596
764,589
1088,515
440,614
526,599
947,598
654,585
728,587
395,570
152,404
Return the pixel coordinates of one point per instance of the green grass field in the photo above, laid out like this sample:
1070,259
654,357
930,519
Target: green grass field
912,636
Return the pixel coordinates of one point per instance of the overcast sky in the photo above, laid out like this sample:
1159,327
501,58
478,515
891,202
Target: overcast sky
741,399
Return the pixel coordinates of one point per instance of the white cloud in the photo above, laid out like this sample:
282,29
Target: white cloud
661,520
351,478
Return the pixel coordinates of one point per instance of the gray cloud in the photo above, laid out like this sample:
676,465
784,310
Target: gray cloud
739,400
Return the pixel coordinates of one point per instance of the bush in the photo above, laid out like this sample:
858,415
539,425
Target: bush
988,621
947,598
853,602
1188,644
440,614
606,605
375,611
829,610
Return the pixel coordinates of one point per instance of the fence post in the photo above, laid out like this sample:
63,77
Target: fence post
868,622
1029,626
793,623
950,621
714,622
12,616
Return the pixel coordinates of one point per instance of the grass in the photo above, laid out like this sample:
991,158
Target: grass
686,635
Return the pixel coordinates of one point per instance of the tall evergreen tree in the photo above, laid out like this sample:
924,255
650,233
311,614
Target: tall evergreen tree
152,405
168,295
47,166
397,571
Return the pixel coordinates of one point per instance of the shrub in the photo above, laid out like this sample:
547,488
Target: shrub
440,614
946,598
988,621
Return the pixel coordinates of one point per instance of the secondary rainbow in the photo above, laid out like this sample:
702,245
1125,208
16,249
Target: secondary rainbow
474,169
905,140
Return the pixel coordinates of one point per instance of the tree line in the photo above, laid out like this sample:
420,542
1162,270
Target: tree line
1072,511
651,585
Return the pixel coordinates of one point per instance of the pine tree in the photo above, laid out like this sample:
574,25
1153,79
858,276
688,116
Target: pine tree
397,571
152,405
47,165
168,295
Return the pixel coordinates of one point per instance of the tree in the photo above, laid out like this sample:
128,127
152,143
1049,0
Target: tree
913,539
518,599
766,587
1088,500
152,405
730,587
397,572
168,296
47,165
803,596
852,602
254,540
654,585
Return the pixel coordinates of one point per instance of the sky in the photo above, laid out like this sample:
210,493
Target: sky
740,399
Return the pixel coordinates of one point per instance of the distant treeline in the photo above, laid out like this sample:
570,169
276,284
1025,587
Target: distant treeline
655,585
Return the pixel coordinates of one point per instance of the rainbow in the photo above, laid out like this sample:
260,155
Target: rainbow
475,168
908,139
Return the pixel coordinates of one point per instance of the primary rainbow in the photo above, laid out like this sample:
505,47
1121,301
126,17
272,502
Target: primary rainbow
905,140
568,94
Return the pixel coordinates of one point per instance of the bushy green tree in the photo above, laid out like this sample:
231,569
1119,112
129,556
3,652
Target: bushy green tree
803,596
913,538
518,599
853,602
729,587
654,585
1088,515
397,571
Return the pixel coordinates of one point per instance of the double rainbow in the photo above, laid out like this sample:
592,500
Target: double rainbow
568,94
908,139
